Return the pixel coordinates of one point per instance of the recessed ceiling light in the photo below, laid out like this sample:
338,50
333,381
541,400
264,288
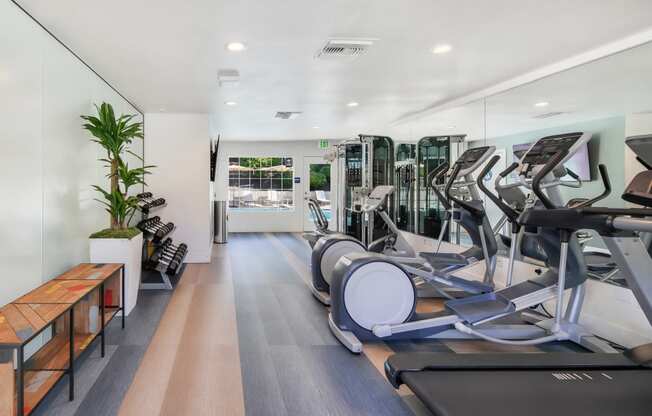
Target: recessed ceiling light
450,127
443,48
162,110
236,46
353,104
542,104
231,103
315,127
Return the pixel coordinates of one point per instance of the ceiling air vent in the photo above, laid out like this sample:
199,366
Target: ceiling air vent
228,77
287,115
344,48
548,115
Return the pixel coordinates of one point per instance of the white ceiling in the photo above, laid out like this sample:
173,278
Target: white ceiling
616,85
166,54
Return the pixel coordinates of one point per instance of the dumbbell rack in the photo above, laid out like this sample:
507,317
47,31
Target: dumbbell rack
161,258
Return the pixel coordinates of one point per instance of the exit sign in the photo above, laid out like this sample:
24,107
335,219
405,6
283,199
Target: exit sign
323,144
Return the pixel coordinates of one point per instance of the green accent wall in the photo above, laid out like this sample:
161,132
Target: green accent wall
607,146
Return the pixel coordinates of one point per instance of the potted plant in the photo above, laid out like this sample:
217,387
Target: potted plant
120,243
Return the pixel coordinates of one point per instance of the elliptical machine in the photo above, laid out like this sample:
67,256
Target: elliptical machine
595,384
320,221
437,265
470,214
374,298
330,247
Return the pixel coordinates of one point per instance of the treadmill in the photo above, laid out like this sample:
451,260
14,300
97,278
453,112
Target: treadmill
554,383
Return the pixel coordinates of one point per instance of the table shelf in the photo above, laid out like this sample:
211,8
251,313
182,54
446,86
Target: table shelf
71,306
37,385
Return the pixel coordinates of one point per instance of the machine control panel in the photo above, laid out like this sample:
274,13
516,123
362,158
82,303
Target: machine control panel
547,147
473,158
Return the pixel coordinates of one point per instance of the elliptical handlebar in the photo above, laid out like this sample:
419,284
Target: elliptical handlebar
436,172
573,175
477,213
433,177
511,214
509,169
502,175
606,183
644,163
320,219
545,170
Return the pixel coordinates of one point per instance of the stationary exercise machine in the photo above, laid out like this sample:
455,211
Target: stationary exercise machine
319,220
468,212
433,265
362,164
330,247
555,383
374,298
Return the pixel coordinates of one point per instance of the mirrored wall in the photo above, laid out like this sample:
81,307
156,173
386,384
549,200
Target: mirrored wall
48,162
610,99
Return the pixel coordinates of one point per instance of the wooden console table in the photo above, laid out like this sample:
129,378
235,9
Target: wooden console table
75,307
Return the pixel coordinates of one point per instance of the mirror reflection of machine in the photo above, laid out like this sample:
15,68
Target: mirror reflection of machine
363,163
430,213
405,185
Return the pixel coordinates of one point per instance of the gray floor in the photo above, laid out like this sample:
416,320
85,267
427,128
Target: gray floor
291,363
101,383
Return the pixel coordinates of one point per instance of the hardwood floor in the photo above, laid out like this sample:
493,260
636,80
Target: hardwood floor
291,363
244,335
192,365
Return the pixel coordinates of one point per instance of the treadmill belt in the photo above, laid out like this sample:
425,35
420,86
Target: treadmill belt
534,393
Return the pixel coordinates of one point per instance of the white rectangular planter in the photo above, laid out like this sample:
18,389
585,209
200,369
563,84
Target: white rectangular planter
121,250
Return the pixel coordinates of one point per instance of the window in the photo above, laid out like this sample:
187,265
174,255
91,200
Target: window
261,183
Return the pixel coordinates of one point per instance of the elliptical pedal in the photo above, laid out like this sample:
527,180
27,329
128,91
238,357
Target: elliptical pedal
480,307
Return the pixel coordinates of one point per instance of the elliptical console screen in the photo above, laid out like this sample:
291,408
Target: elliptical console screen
471,156
547,147
642,147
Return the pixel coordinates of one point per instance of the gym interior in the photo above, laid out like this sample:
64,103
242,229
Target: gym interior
375,207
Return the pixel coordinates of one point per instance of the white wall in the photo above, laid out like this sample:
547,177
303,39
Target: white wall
179,146
283,221
48,163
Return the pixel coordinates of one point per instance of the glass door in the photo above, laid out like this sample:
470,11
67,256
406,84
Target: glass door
318,177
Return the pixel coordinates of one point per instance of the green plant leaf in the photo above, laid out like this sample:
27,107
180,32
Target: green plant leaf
115,135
